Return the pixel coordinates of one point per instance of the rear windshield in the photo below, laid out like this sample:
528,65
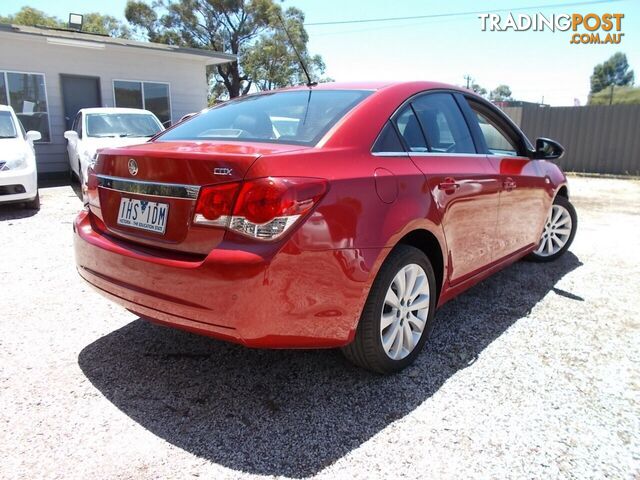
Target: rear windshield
298,117
7,128
122,125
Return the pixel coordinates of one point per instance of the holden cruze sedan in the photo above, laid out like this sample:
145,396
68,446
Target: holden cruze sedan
340,215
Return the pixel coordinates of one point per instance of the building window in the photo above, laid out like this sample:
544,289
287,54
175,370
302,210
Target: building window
152,96
26,93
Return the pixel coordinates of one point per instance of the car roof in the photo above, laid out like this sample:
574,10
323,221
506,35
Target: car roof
379,85
5,108
114,110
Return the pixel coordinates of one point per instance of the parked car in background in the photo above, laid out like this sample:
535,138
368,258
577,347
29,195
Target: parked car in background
96,128
18,170
340,215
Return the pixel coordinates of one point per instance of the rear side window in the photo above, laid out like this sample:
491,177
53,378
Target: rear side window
388,141
409,128
298,117
443,124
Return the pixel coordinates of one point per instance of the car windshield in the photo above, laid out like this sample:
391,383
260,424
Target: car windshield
298,117
7,127
122,125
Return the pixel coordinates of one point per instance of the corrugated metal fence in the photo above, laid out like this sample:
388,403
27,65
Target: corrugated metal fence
597,139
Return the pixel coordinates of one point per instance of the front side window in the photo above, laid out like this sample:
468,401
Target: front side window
298,117
443,124
497,142
121,125
26,93
7,127
152,96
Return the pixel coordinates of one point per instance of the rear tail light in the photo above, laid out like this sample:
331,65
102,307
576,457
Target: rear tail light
264,208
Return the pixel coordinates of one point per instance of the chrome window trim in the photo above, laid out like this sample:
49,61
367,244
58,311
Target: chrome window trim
152,189
427,154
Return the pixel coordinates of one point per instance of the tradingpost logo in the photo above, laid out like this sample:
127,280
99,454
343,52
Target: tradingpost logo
591,29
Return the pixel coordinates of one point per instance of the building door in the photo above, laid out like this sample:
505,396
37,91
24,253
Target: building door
79,92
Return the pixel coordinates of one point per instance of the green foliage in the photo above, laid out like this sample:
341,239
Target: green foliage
31,16
93,22
479,89
502,93
615,71
250,29
105,25
621,95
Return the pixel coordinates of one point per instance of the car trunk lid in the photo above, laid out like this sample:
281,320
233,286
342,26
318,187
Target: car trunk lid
158,183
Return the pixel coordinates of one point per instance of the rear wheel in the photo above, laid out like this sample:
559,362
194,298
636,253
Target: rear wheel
398,314
558,233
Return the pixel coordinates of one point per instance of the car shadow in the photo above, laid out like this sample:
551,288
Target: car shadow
15,211
295,412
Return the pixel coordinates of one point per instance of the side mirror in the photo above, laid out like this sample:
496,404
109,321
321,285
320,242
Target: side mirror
547,149
33,136
71,135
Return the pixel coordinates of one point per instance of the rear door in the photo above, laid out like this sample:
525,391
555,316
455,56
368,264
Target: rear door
524,203
462,182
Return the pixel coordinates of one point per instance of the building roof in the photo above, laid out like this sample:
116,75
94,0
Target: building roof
71,37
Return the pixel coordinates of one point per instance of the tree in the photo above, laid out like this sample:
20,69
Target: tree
105,25
478,89
250,29
31,16
619,96
502,93
615,71
272,61
92,22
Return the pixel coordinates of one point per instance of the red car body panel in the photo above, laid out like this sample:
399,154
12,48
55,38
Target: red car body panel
307,289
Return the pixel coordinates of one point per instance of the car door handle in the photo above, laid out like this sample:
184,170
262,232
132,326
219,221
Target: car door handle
449,185
509,184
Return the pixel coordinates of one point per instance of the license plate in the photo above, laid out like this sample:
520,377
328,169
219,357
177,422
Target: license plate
150,216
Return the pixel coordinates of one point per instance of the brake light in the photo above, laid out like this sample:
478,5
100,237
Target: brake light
265,208
215,204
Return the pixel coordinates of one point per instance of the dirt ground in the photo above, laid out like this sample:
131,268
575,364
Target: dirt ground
533,373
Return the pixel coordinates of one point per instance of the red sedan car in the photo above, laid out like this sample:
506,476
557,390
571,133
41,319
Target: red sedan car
340,215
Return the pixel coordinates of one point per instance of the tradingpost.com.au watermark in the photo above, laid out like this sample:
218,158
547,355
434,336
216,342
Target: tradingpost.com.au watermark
591,28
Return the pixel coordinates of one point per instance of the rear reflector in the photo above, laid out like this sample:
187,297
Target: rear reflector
265,208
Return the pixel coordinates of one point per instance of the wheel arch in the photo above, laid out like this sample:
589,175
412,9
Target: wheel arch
563,191
428,243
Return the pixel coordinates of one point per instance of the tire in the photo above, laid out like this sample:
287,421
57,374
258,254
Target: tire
550,235
367,349
33,204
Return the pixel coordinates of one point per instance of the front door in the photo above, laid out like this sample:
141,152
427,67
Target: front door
523,198
462,182
79,92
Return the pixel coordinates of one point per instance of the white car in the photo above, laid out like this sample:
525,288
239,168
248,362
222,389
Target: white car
18,172
96,128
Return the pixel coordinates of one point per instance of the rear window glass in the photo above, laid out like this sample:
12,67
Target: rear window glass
299,117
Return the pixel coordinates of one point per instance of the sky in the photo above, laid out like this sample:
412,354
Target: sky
536,65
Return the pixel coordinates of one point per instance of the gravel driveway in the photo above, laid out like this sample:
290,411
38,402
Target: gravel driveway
533,373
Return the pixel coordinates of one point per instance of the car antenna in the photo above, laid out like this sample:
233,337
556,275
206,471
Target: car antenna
310,83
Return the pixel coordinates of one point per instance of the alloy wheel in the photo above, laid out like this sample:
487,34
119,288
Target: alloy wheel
556,232
405,311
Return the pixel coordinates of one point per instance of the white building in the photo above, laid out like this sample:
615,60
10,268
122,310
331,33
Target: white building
47,75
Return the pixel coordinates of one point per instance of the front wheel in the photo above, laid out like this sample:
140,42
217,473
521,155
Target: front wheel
398,314
559,231
33,204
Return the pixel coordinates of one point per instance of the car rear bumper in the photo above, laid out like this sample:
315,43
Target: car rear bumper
291,299
23,181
